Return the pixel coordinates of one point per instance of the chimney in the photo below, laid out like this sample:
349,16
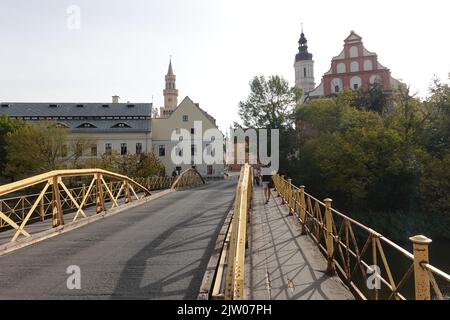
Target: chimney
115,99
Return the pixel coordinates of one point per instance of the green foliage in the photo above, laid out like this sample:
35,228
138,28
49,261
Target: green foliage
386,168
7,125
32,149
143,165
269,104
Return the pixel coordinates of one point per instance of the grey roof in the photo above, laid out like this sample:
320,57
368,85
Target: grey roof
72,115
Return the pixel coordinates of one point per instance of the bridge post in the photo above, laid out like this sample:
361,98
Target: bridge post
331,268
41,209
302,209
289,196
100,201
56,203
127,192
421,275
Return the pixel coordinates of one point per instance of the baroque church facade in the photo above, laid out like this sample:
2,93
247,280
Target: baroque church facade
354,67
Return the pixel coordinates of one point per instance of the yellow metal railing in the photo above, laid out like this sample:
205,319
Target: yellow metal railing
188,178
229,278
339,237
55,199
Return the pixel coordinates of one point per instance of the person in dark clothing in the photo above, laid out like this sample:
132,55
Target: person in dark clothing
267,183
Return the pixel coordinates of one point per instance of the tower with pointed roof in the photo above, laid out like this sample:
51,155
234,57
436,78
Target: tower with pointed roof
170,93
304,66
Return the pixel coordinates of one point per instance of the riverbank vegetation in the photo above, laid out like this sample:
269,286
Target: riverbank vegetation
383,158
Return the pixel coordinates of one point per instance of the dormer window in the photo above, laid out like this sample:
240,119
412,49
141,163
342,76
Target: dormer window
53,105
86,125
61,125
80,105
185,118
5,105
105,106
121,125
130,106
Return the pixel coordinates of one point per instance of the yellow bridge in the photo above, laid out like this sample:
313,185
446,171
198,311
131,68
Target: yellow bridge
187,238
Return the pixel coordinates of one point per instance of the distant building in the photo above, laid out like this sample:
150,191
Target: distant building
355,68
175,117
128,128
121,127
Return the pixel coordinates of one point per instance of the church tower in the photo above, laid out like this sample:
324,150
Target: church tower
304,66
170,93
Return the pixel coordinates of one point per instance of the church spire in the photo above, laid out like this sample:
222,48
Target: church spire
170,92
304,66
170,71
303,53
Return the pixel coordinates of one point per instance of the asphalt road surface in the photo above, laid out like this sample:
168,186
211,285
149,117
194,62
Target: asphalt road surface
159,250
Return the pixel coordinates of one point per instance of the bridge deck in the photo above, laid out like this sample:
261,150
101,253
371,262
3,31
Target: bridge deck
283,263
158,250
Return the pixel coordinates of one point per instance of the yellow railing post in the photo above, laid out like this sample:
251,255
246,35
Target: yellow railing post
331,269
127,192
421,276
41,209
302,209
56,203
289,195
100,201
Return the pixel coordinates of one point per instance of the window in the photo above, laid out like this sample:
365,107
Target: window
138,148
354,66
105,106
192,130
185,118
108,148
304,72
53,106
193,149
368,65
355,82
130,106
340,68
94,150
209,170
121,125
86,125
123,149
80,105
4,105
353,52
161,150
336,85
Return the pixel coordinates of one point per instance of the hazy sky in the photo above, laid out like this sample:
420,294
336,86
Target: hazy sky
123,46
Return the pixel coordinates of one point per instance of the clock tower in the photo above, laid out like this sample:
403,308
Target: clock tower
304,66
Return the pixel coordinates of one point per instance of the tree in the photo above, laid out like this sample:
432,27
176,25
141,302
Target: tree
375,99
7,125
270,103
132,165
32,149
